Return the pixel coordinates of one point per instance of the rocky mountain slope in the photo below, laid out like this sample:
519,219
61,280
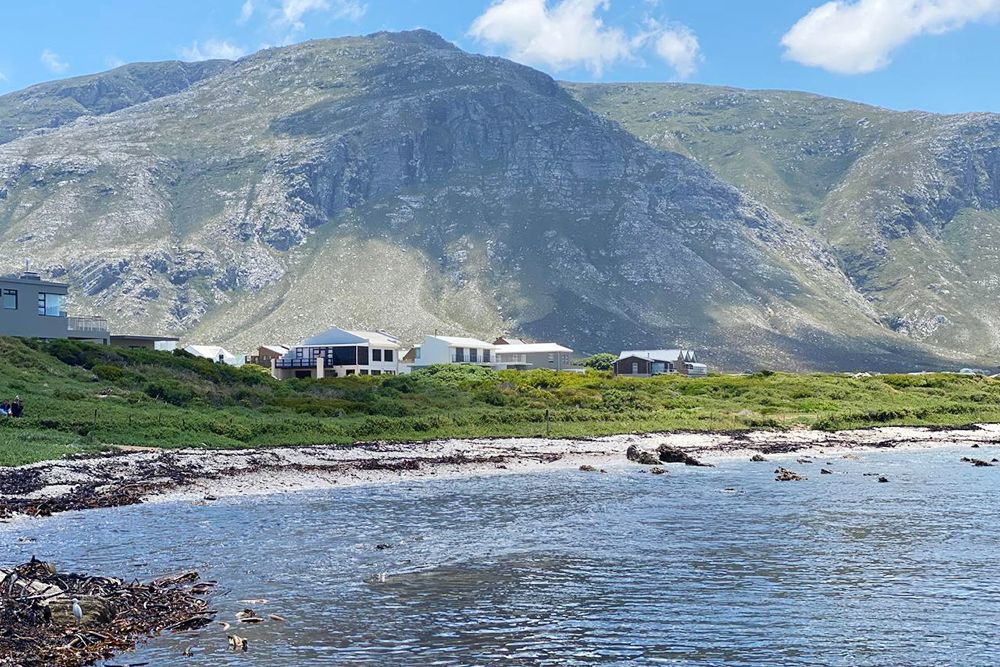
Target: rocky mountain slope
909,202
395,181
51,105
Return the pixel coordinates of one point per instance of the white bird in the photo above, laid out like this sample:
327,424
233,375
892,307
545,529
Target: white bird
77,611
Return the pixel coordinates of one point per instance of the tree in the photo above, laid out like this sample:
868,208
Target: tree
600,362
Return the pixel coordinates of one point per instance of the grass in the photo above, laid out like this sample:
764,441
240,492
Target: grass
82,398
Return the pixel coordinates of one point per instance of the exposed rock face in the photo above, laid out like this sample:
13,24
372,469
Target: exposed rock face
640,456
669,454
262,200
786,475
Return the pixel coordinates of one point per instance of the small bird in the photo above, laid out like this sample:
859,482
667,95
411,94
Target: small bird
77,611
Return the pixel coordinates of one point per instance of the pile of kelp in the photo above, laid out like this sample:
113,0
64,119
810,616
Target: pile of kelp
38,627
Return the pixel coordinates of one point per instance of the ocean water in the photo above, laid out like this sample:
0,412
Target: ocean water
720,566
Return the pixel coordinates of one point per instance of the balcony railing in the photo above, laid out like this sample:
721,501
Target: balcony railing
295,363
87,324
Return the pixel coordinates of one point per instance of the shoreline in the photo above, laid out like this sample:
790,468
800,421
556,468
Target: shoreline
201,475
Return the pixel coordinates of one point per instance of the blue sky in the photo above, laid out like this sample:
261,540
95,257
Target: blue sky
937,55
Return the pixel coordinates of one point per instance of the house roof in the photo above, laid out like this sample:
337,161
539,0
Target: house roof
338,336
508,341
277,349
456,341
531,348
209,351
656,355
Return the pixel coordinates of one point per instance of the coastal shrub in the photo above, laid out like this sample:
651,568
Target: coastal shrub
170,391
371,427
615,400
108,372
600,362
240,432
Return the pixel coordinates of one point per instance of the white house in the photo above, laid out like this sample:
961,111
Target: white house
526,356
450,350
215,353
340,353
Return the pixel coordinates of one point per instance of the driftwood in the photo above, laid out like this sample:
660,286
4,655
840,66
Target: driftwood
38,629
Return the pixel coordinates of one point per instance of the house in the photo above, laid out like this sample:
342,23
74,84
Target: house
162,343
33,308
504,340
339,353
526,356
451,350
214,353
268,353
645,363
410,356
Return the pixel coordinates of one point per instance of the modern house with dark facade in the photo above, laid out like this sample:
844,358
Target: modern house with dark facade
339,353
33,308
646,363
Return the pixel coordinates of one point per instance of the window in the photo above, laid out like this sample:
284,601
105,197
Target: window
473,356
376,355
364,371
459,354
342,356
350,372
387,355
10,299
486,356
49,305
552,358
416,353
635,368
363,357
376,372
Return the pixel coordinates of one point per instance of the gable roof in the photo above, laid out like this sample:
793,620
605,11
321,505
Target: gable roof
504,340
658,355
278,349
209,351
532,348
338,336
457,341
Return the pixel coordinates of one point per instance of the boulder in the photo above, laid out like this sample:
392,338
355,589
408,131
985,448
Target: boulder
786,475
587,468
883,480
657,471
639,456
824,471
979,463
758,458
670,454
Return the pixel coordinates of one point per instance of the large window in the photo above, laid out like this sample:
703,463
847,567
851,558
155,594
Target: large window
363,357
387,355
486,356
376,355
10,299
473,355
416,353
343,356
49,305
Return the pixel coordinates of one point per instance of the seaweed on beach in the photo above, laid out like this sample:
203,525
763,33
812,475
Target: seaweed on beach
38,627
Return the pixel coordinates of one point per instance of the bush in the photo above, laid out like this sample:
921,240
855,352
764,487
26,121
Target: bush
170,391
600,362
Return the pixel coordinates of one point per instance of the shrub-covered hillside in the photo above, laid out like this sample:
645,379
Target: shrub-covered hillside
82,398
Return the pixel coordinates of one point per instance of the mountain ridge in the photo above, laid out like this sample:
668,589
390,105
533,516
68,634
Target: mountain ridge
265,202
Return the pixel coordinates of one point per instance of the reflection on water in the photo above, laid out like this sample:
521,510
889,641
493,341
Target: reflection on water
578,569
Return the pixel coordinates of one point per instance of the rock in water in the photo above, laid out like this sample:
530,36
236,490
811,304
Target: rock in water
824,471
979,463
883,480
657,471
588,468
639,456
786,475
758,458
670,454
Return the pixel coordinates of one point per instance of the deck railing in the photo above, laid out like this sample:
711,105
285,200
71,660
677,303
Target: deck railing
85,323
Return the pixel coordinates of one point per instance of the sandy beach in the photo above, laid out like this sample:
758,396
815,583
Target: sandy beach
129,477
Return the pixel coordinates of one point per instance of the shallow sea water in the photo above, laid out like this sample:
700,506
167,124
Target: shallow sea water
720,566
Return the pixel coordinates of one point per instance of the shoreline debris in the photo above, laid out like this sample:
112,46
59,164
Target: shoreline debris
53,619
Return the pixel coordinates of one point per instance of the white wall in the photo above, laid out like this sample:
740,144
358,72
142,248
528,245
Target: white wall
434,351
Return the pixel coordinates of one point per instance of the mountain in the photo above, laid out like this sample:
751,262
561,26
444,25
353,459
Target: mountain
908,201
395,181
51,105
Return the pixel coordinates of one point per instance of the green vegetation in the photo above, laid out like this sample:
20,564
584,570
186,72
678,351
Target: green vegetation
82,398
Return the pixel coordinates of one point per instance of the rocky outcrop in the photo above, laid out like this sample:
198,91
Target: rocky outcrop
668,454
633,453
979,463
786,475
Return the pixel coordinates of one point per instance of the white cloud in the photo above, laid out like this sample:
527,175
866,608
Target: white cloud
211,50
113,61
679,47
859,37
245,12
292,11
52,60
569,33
